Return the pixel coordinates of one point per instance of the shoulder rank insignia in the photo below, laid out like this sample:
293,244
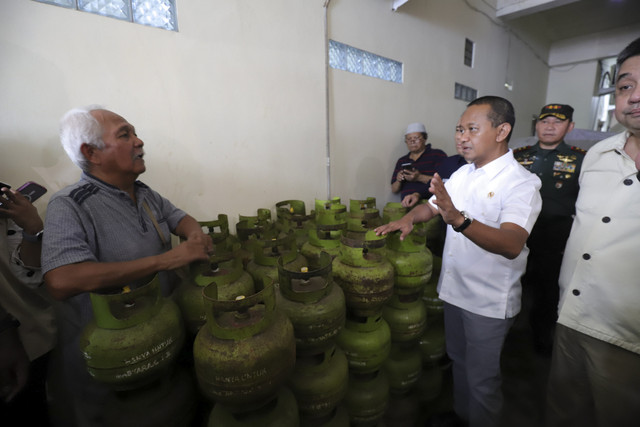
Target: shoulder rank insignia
519,149
578,149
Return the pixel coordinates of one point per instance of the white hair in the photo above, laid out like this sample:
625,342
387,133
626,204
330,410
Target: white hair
79,127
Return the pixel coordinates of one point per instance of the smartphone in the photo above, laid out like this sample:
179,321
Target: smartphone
32,191
407,166
3,185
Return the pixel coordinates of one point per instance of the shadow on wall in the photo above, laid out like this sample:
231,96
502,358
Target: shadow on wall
582,138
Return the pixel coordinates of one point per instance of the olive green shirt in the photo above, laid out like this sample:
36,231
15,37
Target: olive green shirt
558,169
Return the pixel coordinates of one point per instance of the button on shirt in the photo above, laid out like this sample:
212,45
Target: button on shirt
599,285
472,278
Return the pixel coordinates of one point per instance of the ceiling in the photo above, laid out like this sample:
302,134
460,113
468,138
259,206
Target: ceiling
578,18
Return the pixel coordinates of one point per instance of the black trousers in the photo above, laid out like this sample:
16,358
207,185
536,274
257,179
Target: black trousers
546,248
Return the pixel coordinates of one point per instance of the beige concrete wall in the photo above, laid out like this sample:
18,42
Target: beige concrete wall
232,107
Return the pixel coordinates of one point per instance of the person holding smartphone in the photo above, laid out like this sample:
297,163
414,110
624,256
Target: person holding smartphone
413,171
27,327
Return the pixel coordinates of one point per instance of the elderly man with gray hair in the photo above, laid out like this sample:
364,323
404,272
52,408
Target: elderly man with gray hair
104,232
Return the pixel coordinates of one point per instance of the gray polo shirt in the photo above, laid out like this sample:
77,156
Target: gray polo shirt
94,221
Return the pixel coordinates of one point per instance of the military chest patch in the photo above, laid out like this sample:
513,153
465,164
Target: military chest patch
564,167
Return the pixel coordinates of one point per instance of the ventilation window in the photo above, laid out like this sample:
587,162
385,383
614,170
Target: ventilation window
354,60
469,47
155,13
465,93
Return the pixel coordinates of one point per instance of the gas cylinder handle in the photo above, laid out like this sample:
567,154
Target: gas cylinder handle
120,311
216,308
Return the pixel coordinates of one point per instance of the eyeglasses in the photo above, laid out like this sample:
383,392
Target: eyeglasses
414,139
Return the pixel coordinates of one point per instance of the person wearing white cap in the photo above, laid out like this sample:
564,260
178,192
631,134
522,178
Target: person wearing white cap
413,171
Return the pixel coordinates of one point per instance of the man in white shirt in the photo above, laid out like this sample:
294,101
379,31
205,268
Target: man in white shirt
595,367
484,253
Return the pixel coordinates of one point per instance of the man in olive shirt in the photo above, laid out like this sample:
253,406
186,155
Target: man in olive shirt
558,167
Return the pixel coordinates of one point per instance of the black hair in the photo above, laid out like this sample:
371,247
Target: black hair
501,111
633,49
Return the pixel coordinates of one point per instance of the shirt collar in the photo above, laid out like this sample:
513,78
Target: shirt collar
562,147
88,177
494,167
616,144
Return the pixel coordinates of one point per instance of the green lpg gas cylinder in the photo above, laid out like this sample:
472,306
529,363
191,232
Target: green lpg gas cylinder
218,230
173,399
280,411
403,367
223,270
320,382
251,228
134,337
339,417
228,274
436,232
363,215
429,385
411,259
435,306
367,398
363,272
406,316
432,343
313,303
267,251
330,223
245,351
366,342
393,211
403,410
292,217
262,218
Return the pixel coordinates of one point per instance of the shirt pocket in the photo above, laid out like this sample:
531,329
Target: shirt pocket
489,208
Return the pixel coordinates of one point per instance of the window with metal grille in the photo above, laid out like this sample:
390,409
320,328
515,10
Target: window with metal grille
468,52
348,58
465,93
155,13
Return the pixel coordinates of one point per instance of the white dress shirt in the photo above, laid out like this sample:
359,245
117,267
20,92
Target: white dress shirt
472,278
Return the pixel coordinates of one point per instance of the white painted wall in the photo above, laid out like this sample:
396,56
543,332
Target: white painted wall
232,107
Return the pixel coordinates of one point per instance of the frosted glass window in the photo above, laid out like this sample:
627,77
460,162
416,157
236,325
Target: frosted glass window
113,8
469,48
155,13
349,58
465,93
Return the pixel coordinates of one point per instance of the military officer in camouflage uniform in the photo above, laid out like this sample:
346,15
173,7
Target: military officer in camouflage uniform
558,167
